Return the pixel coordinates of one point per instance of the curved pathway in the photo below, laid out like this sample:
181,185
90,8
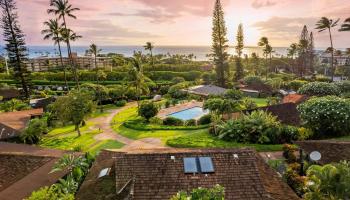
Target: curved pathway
107,133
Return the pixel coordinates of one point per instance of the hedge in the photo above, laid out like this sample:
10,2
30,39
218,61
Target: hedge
136,125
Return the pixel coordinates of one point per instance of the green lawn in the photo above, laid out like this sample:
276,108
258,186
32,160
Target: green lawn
261,102
180,138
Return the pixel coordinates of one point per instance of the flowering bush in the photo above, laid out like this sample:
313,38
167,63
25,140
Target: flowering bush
319,89
344,86
326,116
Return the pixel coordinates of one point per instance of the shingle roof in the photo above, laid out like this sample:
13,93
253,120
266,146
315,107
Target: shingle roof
9,93
206,90
263,88
331,150
154,175
26,168
12,123
294,98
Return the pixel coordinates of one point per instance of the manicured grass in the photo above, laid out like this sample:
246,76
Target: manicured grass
205,140
71,141
107,144
67,129
180,138
261,102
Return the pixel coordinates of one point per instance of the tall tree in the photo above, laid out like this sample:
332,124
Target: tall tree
219,46
264,43
346,25
63,9
149,47
239,50
303,51
68,35
311,52
256,63
327,24
292,51
53,31
94,50
15,44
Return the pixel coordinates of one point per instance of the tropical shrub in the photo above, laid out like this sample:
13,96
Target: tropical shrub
344,86
221,106
14,105
250,80
190,122
172,121
156,120
294,180
215,193
330,181
34,131
177,80
326,116
319,89
273,101
296,84
176,91
204,120
116,92
289,153
233,94
52,193
248,104
148,110
120,103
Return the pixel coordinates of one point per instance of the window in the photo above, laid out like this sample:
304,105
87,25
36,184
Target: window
206,164
190,165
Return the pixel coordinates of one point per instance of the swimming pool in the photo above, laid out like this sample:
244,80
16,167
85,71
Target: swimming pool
191,113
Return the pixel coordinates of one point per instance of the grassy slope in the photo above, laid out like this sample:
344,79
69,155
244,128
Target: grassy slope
180,138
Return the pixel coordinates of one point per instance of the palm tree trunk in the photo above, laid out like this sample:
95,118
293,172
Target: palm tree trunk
266,66
63,66
332,60
78,129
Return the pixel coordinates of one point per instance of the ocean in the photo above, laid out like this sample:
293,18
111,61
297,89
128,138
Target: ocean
200,52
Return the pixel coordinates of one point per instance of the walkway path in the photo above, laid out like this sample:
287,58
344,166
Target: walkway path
107,133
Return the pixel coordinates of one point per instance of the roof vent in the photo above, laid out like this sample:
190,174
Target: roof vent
235,156
172,158
104,172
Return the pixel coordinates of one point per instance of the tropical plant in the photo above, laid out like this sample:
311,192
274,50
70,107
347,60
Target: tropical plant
74,107
149,47
76,166
68,185
53,32
319,89
34,131
346,25
94,50
63,9
14,105
219,46
326,116
215,193
327,24
251,80
221,106
52,193
330,181
233,94
264,43
15,44
172,121
148,110
248,103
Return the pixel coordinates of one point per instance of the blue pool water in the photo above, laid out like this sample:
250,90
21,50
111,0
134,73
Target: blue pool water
192,113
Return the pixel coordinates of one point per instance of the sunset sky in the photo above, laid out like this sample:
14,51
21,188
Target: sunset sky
187,22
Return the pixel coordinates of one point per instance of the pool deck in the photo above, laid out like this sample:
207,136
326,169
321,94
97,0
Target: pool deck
167,111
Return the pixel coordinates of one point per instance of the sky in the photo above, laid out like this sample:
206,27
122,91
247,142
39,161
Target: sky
187,22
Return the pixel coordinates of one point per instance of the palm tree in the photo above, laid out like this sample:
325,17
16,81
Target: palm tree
264,42
68,35
95,51
74,165
53,32
292,51
138,76
328,24
63,9
149,46
346,25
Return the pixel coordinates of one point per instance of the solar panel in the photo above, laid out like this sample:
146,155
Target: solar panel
190,165
206,164
104,172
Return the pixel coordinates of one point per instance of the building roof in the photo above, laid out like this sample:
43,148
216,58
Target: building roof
206,90
331,150
25,168
153,174
9,93
294,98
261,87
18,120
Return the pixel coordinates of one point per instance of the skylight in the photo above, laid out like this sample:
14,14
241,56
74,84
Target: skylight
206,164
190,165
104,172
